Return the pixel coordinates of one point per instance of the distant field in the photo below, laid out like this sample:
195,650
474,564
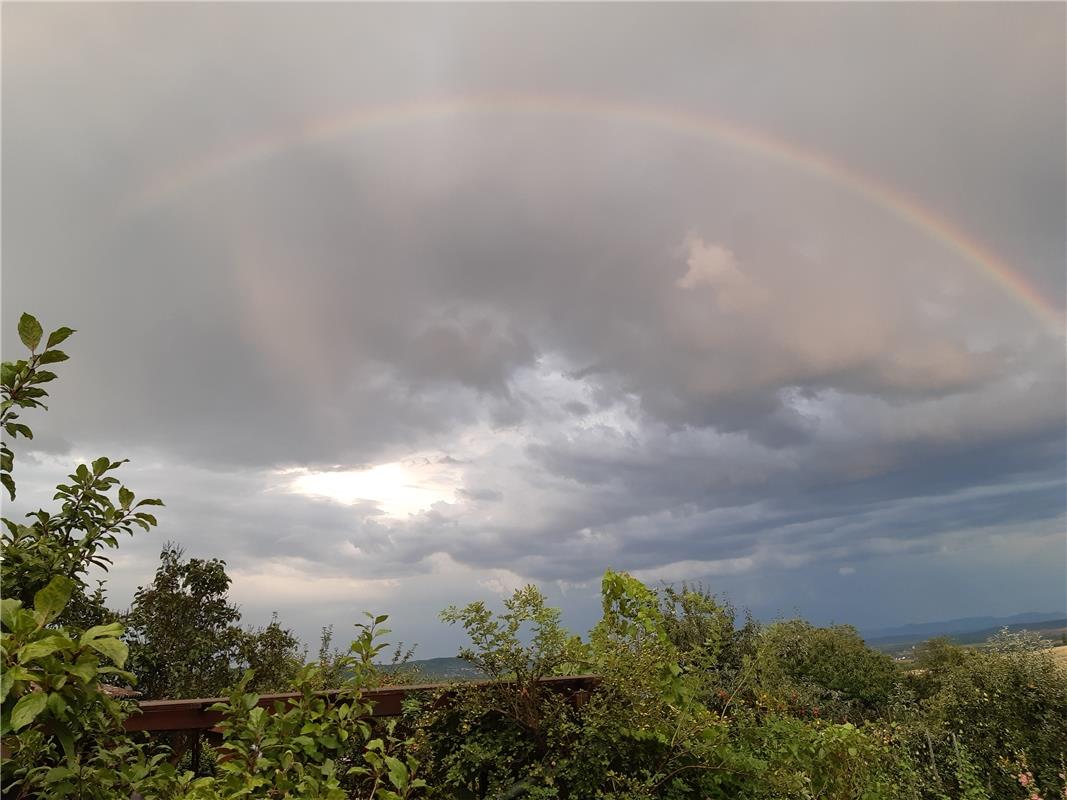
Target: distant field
1060,654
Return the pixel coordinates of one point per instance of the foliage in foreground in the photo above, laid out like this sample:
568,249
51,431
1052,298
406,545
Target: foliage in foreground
690,703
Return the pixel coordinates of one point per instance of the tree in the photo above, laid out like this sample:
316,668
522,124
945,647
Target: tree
61,734
832,667
182,629
274,656
185,636
68,541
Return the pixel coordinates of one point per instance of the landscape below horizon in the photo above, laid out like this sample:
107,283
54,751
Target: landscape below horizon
898,641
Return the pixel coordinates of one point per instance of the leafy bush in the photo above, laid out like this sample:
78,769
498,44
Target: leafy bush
185,640
61,734
298,748
1005,705
826,672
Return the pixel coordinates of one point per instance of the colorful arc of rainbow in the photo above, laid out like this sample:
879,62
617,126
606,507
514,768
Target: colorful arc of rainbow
757,142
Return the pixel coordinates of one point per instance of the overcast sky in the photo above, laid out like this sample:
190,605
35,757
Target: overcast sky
402,306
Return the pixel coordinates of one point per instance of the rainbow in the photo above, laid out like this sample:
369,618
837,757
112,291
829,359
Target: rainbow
743,138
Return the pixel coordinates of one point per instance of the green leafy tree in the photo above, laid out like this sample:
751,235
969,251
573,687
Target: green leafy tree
94,507
182,629
273,654
1003,706
60,734
643,733
932,660
699,626
498,647
830,671
185,635
87,609
705,633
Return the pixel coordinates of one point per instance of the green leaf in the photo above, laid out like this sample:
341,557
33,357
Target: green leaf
7,680
28,707
58,335
398,773
129,677
9,606
43,647
125,497
53,356
112,629
85,668
100,465
57,774
50,600
30,331
19,428
9,484
22,674
114,649
56,704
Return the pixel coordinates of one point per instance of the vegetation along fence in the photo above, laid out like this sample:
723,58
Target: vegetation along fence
195,716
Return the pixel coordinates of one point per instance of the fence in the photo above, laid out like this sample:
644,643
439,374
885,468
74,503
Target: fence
195,716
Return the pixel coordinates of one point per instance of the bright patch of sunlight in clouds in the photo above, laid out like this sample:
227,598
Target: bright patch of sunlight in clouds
396,488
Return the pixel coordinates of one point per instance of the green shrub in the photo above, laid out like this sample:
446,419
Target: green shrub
1005,705
824,672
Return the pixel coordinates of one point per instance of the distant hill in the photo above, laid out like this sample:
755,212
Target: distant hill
963,625
434,670
901,644
968,630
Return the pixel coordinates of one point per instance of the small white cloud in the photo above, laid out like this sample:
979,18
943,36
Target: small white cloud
846,571
716,267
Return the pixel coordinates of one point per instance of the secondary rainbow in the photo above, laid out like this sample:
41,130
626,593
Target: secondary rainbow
741,137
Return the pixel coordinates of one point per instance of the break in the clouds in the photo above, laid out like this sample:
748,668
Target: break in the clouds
397,306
